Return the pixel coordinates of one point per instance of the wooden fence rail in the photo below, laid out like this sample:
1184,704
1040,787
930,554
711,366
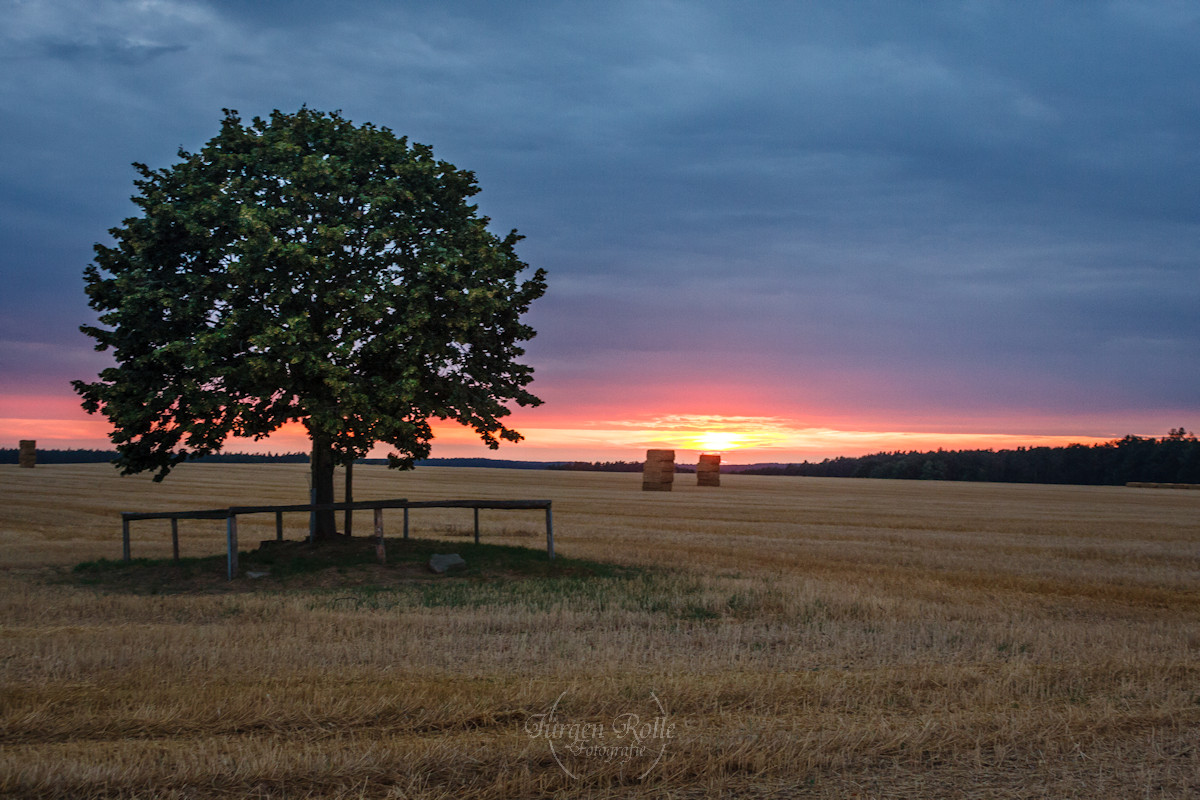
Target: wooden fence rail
231,514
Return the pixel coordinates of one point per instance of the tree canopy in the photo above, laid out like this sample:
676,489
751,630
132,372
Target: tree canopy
304,268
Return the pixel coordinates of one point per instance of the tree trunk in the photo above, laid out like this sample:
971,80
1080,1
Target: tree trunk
322,482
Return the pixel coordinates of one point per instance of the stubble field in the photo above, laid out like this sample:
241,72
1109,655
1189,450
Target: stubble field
805,637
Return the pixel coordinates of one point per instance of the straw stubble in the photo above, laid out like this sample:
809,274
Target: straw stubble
814,638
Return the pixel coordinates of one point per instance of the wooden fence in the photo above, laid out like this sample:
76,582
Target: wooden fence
231,514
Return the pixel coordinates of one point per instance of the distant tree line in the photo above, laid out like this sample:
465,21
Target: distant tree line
610,466
79,456
9,455
488,463
599,466
1175,458
255,458
82,456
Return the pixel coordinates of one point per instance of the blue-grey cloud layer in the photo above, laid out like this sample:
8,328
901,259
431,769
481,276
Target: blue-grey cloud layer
938,206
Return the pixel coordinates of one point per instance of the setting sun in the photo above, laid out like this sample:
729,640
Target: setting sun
717,441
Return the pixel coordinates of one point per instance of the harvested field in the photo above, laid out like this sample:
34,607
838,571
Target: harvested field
807,637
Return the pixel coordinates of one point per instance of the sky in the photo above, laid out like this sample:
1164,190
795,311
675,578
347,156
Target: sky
777,230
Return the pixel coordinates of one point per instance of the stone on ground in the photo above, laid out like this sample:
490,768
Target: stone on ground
439,563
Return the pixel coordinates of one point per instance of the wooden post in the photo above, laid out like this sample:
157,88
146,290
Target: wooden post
27,454
312,517
124,539
549,533
175,537
231,542
279,526
476,526
406,522
349,495
379,548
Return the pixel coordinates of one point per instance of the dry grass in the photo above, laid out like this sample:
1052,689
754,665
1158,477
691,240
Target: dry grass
811,638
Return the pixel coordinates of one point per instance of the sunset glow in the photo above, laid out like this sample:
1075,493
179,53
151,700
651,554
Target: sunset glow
555,434
718,441
809,286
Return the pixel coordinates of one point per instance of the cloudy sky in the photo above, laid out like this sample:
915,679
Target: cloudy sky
799,228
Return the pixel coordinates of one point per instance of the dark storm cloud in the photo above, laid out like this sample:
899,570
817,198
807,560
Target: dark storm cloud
975,203
116,51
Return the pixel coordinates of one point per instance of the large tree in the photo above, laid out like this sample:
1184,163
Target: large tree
304,268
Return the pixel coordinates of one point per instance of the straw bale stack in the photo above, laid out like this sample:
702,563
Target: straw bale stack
708,471
27,456
658,473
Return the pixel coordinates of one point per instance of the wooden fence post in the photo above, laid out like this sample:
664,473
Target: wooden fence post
349,496
279,526
379,548
175,537
232,543
312,517
406,522
124,539
549,532
477,525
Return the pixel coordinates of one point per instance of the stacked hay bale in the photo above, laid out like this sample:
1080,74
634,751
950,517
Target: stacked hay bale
27,457
708,471
658,473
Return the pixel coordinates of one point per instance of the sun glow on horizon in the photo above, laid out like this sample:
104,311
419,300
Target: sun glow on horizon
711,433
717,441
59,422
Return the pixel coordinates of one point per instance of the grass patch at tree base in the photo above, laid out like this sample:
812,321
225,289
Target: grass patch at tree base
345,561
